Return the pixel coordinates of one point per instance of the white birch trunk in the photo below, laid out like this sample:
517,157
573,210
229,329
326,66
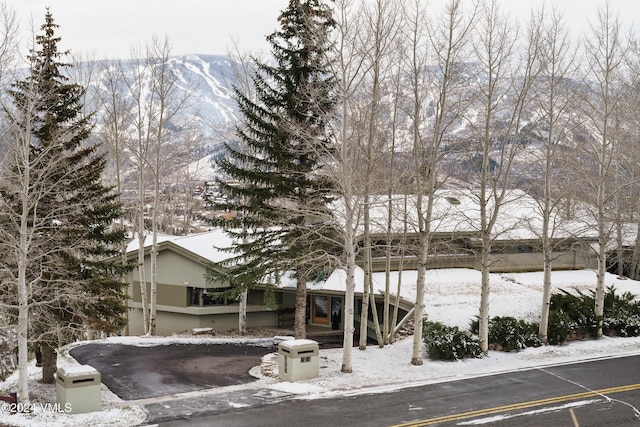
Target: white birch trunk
349,312
141,272
364,311
242,312
23,293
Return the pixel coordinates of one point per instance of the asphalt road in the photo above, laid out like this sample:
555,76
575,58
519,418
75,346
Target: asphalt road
134,372
596,393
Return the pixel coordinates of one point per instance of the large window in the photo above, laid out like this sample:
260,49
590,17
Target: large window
202,297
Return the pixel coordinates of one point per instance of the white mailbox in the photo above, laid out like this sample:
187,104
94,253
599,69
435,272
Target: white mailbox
78,389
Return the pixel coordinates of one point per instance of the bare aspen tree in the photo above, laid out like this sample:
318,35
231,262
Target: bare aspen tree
605,52
170,101
347,162
555,99
139,145
381,20
158,100
501,96
437,54
633,136
395,175
115,105
56,215
18,153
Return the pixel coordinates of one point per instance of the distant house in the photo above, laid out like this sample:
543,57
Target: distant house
456,238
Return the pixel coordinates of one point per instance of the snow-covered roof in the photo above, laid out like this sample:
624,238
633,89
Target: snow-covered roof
458,211
209,245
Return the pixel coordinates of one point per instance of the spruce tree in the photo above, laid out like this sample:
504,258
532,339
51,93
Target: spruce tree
71,214
272,176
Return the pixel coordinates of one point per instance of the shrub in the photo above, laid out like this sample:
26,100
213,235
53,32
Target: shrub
560,326
621,314
577,313
448,342
512,334
579,308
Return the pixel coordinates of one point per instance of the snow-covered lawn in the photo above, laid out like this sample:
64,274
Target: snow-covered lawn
452,298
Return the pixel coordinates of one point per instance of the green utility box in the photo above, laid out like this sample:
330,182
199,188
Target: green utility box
78,389
298,360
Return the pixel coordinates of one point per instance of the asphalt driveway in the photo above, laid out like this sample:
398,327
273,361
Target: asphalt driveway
133,372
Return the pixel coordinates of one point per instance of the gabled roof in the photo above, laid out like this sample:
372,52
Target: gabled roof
202,247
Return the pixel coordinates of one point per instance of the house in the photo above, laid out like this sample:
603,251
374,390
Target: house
186,300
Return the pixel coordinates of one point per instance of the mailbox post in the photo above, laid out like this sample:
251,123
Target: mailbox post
78,388
298,360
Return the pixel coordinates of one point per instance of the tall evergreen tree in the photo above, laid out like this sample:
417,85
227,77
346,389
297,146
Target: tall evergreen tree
273,175
70,213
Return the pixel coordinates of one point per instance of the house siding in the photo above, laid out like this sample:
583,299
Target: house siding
170,322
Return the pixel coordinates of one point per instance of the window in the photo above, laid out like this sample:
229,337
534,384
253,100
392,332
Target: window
525,249
326,310
320,312
214,297
194,295
305,360
453,200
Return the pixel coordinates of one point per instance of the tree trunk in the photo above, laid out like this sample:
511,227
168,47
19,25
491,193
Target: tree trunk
153,291
347,342
23,289
141,275
242,314
483,329
300,322
418,305
364,312
374,310
543,331
49,363
599,297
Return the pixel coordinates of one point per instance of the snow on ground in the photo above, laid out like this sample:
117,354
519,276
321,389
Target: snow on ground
452,298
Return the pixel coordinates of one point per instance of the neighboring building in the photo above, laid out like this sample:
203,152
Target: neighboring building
456,239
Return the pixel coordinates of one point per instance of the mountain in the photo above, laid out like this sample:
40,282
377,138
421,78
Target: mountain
206,79
203,87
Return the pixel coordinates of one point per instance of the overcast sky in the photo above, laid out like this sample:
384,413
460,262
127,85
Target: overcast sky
110,28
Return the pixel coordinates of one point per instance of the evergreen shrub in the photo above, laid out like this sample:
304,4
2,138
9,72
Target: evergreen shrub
560,326
513,334
575,314
621,314
577,307
449,342
510,333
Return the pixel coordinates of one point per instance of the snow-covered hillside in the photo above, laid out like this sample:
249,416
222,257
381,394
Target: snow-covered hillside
206,79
